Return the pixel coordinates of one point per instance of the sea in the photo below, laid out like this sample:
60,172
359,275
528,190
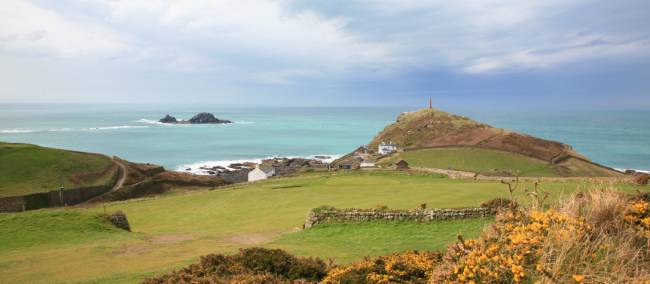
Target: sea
619,139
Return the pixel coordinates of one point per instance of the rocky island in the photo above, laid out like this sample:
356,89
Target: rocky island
201,118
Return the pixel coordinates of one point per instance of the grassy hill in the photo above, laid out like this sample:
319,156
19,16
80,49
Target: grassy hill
431,128
478,160
174,230
26,168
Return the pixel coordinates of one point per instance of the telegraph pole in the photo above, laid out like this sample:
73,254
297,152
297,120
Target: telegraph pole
61,188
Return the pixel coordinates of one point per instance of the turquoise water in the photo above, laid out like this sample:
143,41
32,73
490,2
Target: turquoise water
617,139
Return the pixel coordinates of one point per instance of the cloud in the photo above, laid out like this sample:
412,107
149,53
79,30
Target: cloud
283,42
251,35
486,36
28,29
586,48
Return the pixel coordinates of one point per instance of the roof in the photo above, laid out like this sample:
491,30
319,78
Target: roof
401,162
266,168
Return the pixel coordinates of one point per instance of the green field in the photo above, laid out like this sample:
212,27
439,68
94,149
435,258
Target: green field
26,169
483,161
73,245
346,242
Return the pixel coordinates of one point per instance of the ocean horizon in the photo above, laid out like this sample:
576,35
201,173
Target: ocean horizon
618,139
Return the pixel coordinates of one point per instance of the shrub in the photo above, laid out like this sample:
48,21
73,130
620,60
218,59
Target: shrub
584,239
252,265
380,207
498,204
281,263
408,267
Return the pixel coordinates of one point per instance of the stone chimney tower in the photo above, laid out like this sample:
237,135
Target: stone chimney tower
430,106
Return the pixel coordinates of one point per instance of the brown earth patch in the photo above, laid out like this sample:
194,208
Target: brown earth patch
170,239
135,249
251,239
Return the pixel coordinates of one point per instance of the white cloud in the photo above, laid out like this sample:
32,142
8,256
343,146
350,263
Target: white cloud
245,30
27,28
274,42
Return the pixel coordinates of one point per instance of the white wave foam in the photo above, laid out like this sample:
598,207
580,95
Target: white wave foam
15,131
144,120
114,127
244,122
60,129
325,160
638,171
195,168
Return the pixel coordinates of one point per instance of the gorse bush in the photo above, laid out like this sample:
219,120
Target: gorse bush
593,237
408,267
498,204
253,265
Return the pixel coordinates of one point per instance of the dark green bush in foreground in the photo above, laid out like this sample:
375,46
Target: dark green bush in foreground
252,265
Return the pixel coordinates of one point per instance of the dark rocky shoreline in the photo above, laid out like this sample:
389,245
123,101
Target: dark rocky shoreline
238,172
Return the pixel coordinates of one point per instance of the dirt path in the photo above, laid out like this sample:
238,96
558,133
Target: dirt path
123,173
453,174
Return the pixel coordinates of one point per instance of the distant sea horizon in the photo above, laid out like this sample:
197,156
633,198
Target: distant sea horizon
618,139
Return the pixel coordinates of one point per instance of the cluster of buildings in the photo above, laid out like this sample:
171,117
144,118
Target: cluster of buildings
363,157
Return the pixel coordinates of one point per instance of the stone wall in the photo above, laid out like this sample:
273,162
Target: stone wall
51,199
328,215
12,204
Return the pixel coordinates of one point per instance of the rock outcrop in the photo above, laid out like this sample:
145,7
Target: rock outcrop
204,118
168,119
119,220
201,118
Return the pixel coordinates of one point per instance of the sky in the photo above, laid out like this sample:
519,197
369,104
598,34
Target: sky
508,54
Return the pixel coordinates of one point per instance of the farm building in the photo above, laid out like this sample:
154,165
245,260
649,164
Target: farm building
401,165
261,172
386,148
367,164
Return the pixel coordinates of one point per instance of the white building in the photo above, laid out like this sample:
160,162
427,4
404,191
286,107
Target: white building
367,164
260,173
386,148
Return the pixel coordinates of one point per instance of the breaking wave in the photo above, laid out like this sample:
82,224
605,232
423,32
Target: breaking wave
114,127
15,131
20,131
196,168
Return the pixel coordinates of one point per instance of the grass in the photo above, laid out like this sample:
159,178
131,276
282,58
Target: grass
173,231
483,161
53,228
346,242
26,169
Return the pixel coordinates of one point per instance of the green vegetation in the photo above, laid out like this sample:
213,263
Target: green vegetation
346,242
54,228
577,167
26,169
483,161
173,231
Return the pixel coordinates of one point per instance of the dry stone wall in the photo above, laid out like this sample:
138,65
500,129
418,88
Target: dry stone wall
53,198
333,215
